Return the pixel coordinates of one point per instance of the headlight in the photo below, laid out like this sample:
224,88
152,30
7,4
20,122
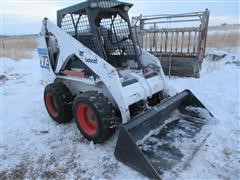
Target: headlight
125,8
93,5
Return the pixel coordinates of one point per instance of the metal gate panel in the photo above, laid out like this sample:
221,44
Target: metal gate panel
178,40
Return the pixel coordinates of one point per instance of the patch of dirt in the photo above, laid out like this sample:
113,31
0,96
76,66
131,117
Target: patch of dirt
237,63
3,78
3,175
227,151
109,169
17,76
215,57
39,133
47,168
81,140
18,172
49,175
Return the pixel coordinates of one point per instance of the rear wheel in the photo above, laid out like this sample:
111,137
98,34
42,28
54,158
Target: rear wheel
58,100
94,116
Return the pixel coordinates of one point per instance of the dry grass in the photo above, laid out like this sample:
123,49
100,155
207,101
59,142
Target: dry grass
224,28
19,47
222,40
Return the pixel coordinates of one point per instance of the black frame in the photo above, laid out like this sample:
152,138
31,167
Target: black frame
93,15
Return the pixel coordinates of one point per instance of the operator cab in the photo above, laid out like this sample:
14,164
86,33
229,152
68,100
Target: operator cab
104,27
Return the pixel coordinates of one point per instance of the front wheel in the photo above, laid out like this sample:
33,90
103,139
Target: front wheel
94,116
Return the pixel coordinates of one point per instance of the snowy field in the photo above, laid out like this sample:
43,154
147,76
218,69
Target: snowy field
33,146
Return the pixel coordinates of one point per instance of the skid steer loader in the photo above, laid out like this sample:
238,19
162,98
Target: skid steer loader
94,72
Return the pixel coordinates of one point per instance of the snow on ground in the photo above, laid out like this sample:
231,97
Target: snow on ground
33,146
218,89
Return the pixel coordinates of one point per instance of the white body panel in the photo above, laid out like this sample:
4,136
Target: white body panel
48,75
108,82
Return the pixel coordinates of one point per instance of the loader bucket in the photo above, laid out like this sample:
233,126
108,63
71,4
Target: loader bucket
161,142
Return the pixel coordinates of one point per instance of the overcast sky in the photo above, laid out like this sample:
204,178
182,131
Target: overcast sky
24,16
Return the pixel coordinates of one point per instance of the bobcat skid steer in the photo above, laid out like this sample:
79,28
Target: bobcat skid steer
95,73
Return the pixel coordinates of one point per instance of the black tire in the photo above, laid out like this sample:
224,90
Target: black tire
101,123
58,102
